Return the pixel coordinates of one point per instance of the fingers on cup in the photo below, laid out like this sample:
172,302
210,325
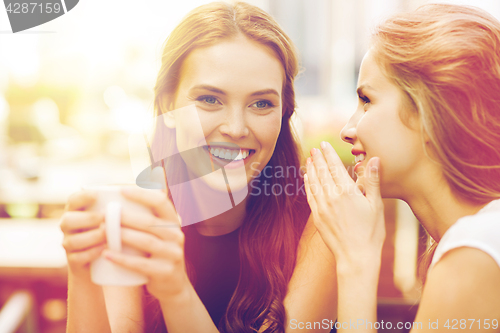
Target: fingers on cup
157,201
141,265
84,257
153,245
149,223
84,240
75,221
170,251
81,200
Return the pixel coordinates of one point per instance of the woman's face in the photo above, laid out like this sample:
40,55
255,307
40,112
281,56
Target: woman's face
236,88
375,129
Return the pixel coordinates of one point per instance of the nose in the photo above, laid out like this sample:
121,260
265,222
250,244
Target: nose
235,124
348,133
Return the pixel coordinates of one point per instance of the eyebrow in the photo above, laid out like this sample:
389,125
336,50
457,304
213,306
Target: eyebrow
222,92
365,87
265,92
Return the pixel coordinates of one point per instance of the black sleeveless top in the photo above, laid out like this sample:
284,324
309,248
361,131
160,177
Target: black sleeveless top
214,267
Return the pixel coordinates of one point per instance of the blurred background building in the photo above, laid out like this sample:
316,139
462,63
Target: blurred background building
73,90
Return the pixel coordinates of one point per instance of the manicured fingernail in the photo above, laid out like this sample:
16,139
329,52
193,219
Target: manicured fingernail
305,178
313,151
308,160
322,145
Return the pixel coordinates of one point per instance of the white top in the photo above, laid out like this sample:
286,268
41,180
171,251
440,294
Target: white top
480,231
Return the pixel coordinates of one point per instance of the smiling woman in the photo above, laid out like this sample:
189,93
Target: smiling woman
426,130
225,92
236,87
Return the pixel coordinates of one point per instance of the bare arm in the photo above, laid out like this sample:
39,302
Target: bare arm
85,300
312,291
186,313
124,308
84,240
462,292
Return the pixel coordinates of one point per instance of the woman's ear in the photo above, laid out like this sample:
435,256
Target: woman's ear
168,117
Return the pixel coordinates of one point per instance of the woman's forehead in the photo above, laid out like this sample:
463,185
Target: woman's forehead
236,62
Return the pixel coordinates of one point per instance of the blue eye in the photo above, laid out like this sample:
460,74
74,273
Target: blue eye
263,104
211,100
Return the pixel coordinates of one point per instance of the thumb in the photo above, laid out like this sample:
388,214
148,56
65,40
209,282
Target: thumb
372,180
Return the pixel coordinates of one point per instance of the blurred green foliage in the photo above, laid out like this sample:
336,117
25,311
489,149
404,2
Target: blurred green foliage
342,148
21,127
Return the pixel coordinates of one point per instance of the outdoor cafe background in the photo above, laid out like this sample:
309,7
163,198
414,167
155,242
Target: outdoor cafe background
70,90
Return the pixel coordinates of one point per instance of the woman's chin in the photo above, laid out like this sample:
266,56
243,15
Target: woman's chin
219,183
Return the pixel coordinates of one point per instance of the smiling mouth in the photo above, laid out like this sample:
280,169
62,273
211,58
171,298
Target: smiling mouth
229,154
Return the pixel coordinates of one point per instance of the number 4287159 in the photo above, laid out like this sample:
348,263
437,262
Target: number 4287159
455,324
32,7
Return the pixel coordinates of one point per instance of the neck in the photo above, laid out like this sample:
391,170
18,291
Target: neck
438,208
224,223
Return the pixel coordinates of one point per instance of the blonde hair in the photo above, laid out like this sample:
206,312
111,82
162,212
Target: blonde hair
446,60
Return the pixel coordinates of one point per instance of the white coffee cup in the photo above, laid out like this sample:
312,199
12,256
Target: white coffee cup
110,201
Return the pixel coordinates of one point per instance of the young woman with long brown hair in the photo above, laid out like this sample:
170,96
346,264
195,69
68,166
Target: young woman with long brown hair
252,268
427,131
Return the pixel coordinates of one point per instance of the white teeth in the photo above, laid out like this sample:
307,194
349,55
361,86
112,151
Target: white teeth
230,154
359,158
238,157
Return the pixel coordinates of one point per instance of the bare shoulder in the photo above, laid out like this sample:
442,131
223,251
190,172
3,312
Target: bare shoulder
464,284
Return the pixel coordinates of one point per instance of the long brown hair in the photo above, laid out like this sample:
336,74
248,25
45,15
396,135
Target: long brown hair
269,236
446,60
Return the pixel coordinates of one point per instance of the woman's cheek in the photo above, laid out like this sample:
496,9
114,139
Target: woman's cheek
267,129
194,127
209,121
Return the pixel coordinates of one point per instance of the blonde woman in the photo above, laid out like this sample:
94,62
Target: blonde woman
427,131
